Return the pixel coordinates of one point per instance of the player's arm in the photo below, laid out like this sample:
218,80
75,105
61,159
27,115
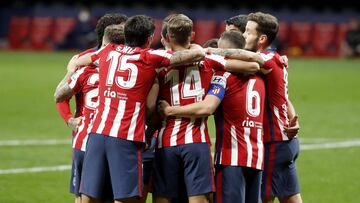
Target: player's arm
200,109
186,56
239,66
83,60
239,54
294,126
151,99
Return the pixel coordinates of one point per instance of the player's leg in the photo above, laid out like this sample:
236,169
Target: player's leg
78,158
253,185
166,173
267,194
230,184
198,171
125,167
94,170
292,194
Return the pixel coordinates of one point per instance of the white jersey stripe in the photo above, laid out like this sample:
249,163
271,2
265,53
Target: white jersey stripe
175,131
160,136
248,146
188,132
133,121
234,147
202,130
75,76
260,149
88,130
281,126
80,128
117,121
104,116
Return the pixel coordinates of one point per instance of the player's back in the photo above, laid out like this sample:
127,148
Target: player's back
239,120
126,76
276,82
84,82
182,85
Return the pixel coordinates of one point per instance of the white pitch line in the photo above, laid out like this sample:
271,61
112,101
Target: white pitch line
34,142
330,145
35,169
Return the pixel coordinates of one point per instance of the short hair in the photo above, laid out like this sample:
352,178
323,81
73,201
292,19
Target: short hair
211,43
180,28
106,20
267,24
115,34
138,29
238,21
235,38
164,26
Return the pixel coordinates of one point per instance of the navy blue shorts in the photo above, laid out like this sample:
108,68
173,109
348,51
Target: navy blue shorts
192,162
280,177
148,162
76,169
112,163
237,184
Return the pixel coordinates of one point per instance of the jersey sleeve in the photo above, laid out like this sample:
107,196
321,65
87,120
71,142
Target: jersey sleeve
269,60
76,81
158,58
218,85
64,110
216,62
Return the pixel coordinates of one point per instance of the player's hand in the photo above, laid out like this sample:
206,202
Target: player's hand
71,67
73,123
163,107
284,60
293,128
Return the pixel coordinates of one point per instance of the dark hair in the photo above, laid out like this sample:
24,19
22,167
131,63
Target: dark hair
238,21
138,29
266,24
211,43
236,38
115,34
180,28
106,20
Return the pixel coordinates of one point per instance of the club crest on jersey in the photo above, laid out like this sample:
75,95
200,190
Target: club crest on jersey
250,123
219,80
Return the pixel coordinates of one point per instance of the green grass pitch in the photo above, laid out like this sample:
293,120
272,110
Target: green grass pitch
325,93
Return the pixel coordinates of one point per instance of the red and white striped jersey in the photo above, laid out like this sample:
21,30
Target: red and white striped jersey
239,120
182,85
84,83
276,107
126,76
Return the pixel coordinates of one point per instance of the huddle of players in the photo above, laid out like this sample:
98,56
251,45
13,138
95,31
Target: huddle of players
191,84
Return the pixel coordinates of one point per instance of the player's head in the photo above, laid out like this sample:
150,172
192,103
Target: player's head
114,34
106,20
261,30
164,28
180,30
236,23
231,40
213,43
139,31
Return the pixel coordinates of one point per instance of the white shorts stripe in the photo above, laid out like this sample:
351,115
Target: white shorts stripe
104,116
133,122
117,121
234,147
248,146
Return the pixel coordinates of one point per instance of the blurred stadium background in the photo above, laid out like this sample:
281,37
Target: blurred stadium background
35,150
